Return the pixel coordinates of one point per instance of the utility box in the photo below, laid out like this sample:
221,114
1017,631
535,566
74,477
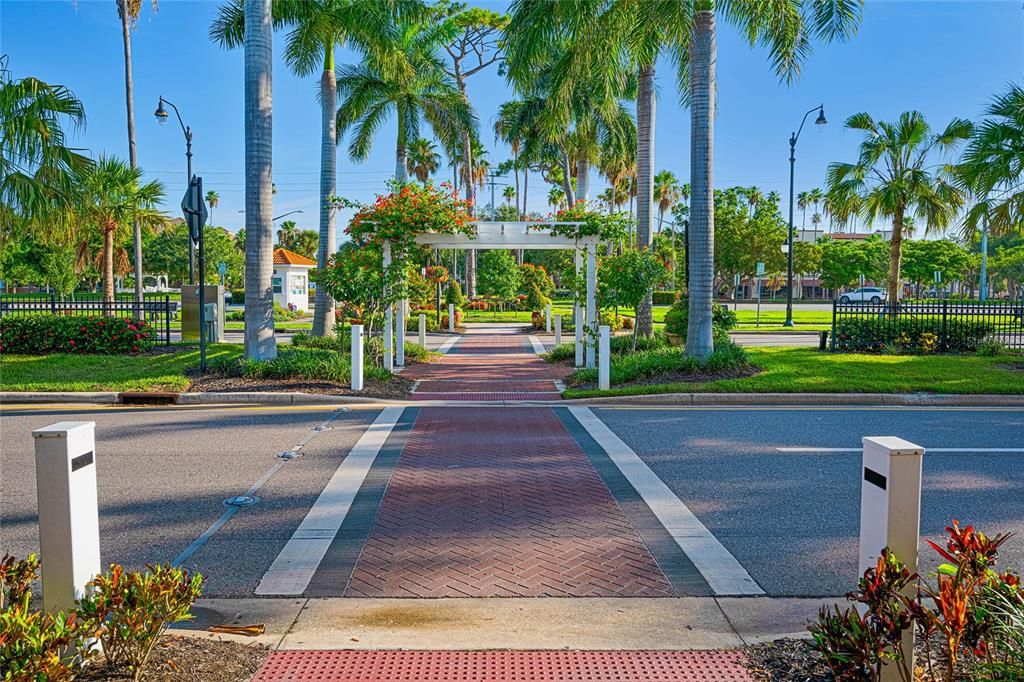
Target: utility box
69,528
190,313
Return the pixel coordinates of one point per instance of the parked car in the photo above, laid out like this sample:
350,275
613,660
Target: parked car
864,295
935,292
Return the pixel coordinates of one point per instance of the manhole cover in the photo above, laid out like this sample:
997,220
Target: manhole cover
241,501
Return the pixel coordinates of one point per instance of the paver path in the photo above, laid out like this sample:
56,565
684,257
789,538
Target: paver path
488,364
492,502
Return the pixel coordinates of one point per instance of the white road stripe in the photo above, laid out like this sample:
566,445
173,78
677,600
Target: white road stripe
295,565
447,345
931,450
720,569
538,347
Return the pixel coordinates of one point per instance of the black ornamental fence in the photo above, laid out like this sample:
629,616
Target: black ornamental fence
934,327
157,312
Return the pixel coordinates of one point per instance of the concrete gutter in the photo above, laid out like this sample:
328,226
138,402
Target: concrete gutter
662,399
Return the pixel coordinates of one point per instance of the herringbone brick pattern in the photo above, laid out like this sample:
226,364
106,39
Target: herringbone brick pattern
487,503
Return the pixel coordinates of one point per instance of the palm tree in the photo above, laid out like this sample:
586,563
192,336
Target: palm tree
754,197
556,198
38,169
896,175
685,28
815,221
260,343
318,27
992,166
286,235
423,158
509,193
113,199
213,199
666,192
369,94
802,202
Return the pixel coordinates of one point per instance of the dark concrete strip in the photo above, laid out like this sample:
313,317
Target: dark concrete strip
333,573
677,567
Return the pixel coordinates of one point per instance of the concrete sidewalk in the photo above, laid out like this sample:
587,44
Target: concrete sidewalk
590,624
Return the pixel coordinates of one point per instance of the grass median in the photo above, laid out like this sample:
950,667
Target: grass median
69,372
803,370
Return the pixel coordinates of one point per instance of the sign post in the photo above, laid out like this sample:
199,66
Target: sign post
356,372
194,207
69,526
736,292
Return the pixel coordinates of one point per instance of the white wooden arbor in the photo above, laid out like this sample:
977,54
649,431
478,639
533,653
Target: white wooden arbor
511,235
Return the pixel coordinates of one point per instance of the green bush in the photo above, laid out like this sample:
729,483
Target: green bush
678,316
235,316
16,576
664,297
238,297
619,345
453,295
912,335
42,334
283,314
666,360
36,645
131,609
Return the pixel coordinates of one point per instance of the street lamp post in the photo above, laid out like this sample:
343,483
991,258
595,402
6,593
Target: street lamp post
161,118
789,249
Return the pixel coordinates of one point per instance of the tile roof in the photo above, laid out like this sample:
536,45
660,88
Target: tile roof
286,257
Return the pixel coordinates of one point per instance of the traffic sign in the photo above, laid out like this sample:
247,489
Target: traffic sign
222,268
760,269
194,208
938,276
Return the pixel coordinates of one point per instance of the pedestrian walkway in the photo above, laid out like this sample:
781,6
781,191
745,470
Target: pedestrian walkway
490,363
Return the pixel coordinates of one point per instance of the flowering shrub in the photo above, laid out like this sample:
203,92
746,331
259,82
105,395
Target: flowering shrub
478,305
972,610
437,274
410,210
458,319
40,334
609,227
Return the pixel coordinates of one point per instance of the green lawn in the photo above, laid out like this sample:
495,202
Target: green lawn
803,370
66,372
806,320
289,324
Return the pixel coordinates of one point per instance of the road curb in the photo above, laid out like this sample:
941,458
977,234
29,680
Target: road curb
661,399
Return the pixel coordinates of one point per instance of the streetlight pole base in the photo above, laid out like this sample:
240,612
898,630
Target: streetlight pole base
789,323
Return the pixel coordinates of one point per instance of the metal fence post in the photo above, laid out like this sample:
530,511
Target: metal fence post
835,310
53,304
945,330
167,319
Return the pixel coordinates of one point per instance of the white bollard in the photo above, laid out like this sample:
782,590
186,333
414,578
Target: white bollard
357,357
890,513
451,317
389,318
547,318
69,525
558,330
604,361
423,330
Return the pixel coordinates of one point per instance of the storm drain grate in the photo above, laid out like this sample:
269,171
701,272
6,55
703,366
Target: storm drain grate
506,666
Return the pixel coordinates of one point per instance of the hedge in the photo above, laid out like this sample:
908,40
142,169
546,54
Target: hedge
42,334
678,317
919,336
664,297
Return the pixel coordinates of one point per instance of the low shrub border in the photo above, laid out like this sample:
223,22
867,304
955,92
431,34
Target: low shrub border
910,335
41,334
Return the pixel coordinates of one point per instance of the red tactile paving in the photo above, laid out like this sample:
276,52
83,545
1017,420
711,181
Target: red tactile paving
504,666
488,396
492,344
500,503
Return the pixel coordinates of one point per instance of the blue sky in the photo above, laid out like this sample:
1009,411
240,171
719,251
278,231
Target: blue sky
943,58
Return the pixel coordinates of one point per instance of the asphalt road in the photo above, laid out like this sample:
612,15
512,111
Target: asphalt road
790,519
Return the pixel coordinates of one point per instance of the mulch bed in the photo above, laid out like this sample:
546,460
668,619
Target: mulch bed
397,388
189,659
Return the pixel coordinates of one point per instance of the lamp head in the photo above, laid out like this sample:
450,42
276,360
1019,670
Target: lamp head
821,120
160,113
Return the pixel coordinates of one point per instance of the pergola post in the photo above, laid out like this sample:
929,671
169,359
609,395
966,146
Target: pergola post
577,312
388,313
400,334
591,303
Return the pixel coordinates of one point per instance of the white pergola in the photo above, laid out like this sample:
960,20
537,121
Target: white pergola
512,235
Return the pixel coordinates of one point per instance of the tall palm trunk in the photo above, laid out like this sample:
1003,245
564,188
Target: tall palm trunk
896,257
323,314
259,230
402,148
700,266
467,169
570,197
582,179
108,262
645,107
129,96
